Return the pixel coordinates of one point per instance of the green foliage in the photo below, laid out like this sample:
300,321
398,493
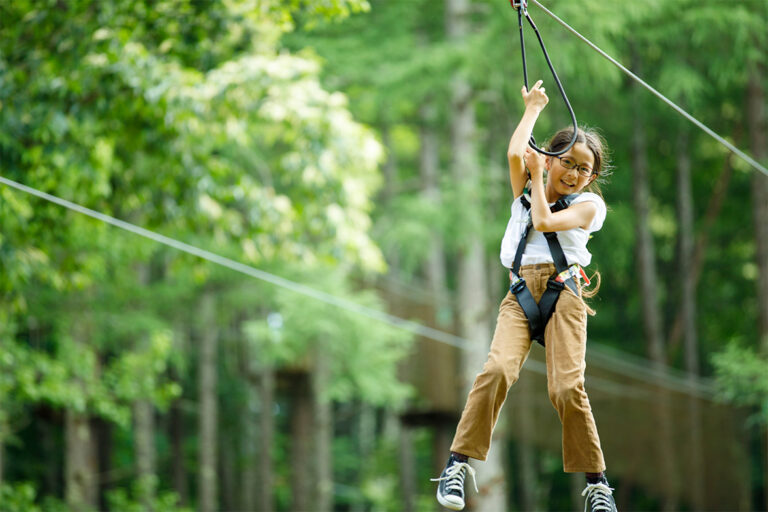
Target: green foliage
21,497
186,120
18,497
362,354
742,378
71,378
136,501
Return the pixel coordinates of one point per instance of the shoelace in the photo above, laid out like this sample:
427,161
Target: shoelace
598,494
455,477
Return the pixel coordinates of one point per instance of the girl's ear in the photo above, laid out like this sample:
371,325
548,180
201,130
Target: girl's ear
547,162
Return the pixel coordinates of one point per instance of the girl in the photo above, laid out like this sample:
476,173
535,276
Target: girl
565,334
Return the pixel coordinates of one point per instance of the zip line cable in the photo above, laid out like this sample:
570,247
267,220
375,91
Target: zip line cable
395,321
603,358
751,161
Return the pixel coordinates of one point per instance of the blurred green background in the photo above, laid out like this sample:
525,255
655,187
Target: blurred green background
358,147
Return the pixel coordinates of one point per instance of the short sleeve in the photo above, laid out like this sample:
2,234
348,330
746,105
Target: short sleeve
597,222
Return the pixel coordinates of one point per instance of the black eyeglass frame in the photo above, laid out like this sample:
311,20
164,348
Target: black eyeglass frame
576,166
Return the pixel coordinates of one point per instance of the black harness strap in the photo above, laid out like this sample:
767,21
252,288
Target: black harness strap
538,314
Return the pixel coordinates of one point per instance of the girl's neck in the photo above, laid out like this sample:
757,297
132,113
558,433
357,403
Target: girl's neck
551,195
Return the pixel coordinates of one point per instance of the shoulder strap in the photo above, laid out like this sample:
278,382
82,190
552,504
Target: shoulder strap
564,202
554,246
524,239
555,249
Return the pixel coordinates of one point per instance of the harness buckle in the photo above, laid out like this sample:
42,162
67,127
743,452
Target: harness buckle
553,283
517,284
574,271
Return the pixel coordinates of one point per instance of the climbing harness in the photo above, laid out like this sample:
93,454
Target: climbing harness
538,314
521,6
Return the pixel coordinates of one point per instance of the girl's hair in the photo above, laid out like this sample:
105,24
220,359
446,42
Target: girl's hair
596,144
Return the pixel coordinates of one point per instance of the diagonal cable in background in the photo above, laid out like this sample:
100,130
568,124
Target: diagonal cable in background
620,363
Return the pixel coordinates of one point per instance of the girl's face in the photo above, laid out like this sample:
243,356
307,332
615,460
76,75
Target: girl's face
563,181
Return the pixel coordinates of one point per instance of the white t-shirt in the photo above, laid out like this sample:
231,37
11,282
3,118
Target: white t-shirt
573,241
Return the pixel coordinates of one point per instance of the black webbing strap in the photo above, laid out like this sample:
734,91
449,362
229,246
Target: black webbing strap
532,312
538,314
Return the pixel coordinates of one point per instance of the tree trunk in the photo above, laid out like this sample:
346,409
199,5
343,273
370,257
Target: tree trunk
178,470
366,438
472,288
228,467
685,230
301,443
49,439
207,501
646,271
266,386
81,447
715,204
144,451
436,275
527,467
176,425
756,122
248,445
407,465
144,426
688,311
258,432
103,429
323,430
81,462
435,270
250,413
756,126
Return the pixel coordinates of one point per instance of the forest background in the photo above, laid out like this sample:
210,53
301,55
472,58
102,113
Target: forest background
358,148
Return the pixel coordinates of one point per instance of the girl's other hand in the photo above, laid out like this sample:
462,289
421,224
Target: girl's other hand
536,98
534,162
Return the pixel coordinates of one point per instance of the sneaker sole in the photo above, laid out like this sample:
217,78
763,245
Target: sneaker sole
449,504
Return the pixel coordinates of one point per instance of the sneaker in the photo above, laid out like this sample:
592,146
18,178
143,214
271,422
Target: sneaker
450,491
599,497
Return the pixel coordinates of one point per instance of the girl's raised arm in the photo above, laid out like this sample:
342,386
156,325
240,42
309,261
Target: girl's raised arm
535,101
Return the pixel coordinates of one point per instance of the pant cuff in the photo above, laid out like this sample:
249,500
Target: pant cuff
583,469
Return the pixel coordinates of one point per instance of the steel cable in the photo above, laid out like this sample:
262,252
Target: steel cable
604,359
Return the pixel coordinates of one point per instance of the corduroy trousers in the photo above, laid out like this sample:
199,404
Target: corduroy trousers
565,337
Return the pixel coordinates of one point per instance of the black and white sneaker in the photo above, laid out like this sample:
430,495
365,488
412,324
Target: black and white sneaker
450,491
599,497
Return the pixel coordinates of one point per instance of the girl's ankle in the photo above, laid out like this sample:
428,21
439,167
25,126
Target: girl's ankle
460,457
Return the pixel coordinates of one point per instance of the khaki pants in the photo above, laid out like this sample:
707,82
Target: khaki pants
566,342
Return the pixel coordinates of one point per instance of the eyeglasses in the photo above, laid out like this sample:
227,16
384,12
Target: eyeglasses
570,163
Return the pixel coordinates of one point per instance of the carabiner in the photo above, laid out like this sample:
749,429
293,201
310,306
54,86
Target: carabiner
516,4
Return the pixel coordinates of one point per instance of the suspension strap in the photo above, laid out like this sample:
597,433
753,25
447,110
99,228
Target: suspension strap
522,10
